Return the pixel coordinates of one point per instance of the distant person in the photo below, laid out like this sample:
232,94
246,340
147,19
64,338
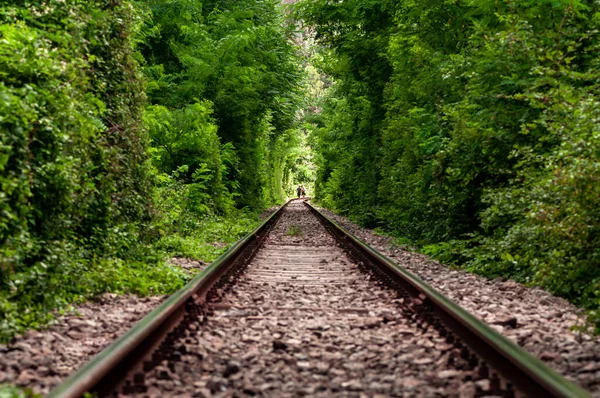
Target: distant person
303,193
299,191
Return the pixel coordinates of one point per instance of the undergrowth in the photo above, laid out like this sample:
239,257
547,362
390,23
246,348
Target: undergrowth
36,298
294,230
9,391
210,237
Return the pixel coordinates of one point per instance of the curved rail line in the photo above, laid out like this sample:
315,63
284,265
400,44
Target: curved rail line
511,369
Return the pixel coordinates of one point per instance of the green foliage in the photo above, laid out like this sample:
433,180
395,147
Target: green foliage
210,237
38,290
223,90
186,144
8,391
471,123
134,131
186,225
222,73
73,170
294,230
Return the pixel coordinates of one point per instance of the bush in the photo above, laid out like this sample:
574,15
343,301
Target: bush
73,169
470,128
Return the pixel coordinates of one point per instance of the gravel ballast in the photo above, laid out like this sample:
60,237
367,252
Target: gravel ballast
40,360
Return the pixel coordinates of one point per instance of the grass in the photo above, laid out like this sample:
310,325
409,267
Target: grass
38,298
209,238
10,391
294,230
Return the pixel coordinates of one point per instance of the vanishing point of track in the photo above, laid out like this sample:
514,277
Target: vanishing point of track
301,308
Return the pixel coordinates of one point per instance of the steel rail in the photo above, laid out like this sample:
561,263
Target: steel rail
109,368
527,374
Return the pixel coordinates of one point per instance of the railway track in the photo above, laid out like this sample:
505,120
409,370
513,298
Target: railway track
301,308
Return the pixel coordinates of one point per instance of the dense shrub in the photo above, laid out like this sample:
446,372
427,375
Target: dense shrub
470,127
222,78
223,92
73,169
99,185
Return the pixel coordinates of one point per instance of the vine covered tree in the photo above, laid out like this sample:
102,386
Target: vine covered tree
467,128
132,132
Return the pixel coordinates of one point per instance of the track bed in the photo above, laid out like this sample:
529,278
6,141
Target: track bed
305,320
301,308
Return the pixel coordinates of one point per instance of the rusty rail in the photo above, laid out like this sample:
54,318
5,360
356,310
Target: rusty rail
526,373
109,368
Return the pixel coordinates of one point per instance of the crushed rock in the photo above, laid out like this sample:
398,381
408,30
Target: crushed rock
40,360
189,265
